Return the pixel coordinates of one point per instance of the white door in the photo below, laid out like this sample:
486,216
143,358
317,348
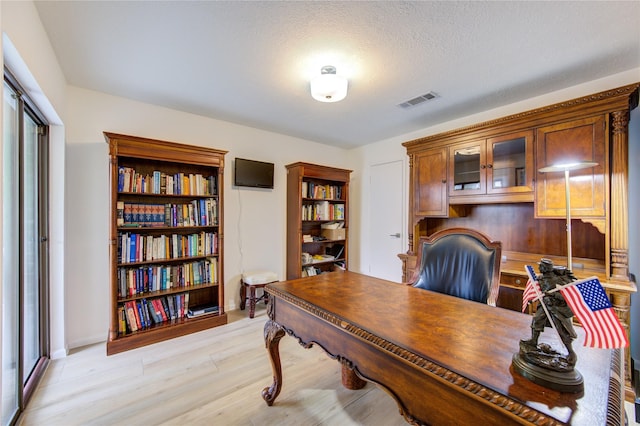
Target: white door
385,221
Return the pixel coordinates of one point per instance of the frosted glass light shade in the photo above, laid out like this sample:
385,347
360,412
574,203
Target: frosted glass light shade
329,87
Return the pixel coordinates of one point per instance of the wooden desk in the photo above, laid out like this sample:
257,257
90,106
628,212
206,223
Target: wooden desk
441,367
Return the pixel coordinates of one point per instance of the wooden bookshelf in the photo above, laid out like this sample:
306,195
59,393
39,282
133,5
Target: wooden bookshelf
316,196
166,240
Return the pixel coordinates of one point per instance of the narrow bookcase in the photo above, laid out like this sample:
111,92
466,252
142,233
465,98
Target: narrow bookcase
317,200
166,240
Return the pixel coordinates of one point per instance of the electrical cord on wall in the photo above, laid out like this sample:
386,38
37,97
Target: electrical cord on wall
240,232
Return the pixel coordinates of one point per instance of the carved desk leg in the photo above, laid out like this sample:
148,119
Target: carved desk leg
273,332
349,378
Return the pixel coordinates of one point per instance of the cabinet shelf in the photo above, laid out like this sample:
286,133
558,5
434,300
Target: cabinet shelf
165,331
166,228
166,261
160,293
323,242
331,200
144,224
323,262
154,195
172,323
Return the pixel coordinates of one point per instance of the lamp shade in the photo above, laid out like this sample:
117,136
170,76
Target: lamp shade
567,166
329,87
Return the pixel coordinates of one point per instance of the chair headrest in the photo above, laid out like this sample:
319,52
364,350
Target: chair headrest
459,265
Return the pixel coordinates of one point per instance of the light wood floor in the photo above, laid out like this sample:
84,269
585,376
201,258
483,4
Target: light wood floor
209,378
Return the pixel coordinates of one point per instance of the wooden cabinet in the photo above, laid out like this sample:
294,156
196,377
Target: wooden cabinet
570,142
317,219
430,175
166,240
497,165
529,218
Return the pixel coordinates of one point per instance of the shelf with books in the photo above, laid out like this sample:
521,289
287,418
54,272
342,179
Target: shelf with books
317,218
166,239
134,281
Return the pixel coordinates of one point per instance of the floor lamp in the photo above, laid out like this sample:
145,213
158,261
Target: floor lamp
566,168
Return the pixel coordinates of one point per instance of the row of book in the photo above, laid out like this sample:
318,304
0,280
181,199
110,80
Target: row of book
137,315
145,279
323,210
202,212
158,182
323,192
134,247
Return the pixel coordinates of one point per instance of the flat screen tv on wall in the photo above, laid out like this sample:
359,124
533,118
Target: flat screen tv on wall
251,173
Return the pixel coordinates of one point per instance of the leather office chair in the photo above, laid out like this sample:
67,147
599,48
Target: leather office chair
460,262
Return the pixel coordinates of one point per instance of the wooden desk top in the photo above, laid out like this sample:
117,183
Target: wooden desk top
474,341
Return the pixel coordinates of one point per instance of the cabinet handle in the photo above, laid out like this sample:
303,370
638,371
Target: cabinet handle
489,166
483,166
518,281
444,181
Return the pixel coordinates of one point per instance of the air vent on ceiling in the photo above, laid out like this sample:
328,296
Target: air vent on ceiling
418,100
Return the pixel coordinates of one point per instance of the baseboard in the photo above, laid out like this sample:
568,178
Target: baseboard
86,342
61,353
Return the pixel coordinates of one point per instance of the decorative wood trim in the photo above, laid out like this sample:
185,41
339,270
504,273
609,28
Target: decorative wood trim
619,194
628,96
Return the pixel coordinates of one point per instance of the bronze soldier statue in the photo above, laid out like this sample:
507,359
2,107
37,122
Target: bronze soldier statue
552,277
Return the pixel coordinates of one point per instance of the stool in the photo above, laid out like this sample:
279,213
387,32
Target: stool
254,280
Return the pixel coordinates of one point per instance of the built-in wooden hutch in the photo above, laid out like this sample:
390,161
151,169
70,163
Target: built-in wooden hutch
486,176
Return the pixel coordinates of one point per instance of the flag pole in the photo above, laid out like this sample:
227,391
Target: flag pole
562,287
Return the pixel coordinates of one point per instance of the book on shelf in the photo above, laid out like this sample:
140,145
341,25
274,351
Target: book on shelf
122,319
159,309
120,213
131,317
142,320
200,310
151,311
165,308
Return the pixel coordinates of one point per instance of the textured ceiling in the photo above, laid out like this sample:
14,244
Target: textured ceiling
250,62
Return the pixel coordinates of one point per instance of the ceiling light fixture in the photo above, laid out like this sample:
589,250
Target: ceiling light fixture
328,87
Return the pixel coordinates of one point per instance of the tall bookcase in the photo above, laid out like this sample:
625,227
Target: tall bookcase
317,219
166,240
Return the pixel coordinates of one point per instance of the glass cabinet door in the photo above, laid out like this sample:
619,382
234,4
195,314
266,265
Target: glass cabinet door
467,164
510,163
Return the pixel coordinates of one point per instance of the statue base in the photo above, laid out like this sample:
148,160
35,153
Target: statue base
563,380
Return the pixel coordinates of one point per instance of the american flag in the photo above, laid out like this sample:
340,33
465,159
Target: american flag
532,289
590,304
